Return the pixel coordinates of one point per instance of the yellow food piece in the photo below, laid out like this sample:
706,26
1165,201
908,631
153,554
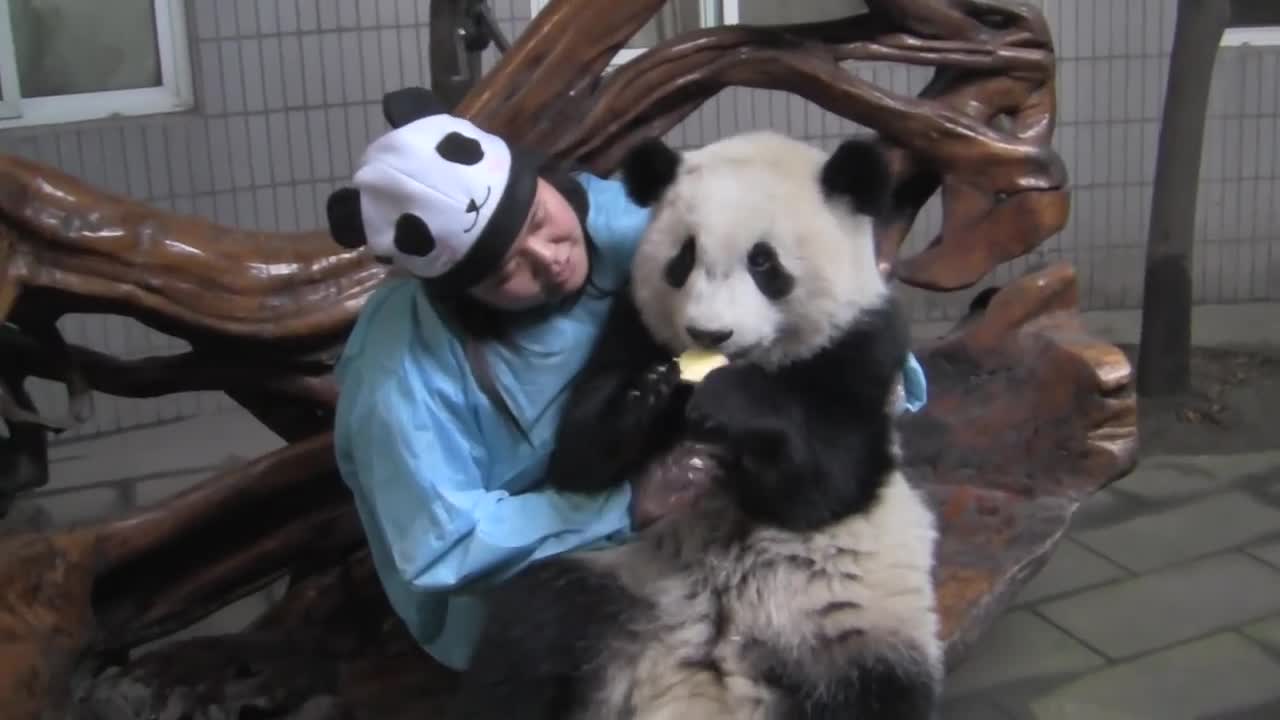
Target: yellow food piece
695,364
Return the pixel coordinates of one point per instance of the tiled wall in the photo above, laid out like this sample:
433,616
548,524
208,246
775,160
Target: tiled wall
288,93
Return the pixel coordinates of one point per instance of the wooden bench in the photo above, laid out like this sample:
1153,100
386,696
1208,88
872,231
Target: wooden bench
1028,415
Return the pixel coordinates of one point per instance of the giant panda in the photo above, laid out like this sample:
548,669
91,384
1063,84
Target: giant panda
801,585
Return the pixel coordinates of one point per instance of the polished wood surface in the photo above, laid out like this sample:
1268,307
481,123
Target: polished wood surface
1027,414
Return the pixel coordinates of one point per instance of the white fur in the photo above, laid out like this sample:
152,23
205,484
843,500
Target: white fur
728,195
693,569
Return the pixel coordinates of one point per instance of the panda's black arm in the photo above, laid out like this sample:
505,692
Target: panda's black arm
622,408
813,442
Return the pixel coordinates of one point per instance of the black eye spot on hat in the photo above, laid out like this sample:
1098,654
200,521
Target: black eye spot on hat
413,237
460,149
346,224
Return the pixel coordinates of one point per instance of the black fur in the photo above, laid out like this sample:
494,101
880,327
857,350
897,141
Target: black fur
680,266
537,669
859,171
624,408
871,688
648,170
810,443
805,445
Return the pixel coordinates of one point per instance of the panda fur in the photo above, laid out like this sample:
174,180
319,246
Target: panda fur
801,586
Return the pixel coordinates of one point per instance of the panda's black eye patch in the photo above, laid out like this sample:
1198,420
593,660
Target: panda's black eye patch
458,148
770,275
680,266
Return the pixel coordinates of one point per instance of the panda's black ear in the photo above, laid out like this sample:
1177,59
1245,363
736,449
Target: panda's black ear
859,170
403,106
346,224
648,169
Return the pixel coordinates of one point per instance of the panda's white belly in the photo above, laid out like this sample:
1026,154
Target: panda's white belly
680,669
858,589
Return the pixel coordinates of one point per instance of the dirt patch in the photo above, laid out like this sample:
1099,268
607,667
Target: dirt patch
1233,405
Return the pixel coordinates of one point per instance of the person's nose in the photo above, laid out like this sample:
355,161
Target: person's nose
541,252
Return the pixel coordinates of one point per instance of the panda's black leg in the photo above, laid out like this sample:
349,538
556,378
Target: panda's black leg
503,682
545,627
868,689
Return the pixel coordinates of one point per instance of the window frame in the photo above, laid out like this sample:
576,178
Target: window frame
721,12
1255,35
174,94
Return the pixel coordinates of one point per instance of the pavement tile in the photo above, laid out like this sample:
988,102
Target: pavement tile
1019,647
1267,552
973,710
1167,478
1200,528
1217,674
1105,508
174,448
1266,711
1138,615
1071,567
1266,632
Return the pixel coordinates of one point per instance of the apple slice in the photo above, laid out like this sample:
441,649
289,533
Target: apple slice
695,364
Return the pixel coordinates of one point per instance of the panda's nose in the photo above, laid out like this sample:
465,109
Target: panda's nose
708,338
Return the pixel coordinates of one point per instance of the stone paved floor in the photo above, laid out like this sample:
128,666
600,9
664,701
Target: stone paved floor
1162,603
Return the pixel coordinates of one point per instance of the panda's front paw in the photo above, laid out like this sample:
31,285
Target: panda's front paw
650,393
739,410
720,407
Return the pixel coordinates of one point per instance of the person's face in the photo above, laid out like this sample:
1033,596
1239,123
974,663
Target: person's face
547,261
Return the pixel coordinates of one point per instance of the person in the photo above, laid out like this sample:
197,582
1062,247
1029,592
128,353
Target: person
453,377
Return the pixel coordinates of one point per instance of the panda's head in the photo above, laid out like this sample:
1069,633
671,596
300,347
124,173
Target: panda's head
436,196
760,246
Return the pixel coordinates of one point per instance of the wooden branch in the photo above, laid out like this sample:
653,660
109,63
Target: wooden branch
91,251
1027,415
118,584
154,376
982,129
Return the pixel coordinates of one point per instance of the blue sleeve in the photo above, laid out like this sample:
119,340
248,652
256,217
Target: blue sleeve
615,222
915,387
422,499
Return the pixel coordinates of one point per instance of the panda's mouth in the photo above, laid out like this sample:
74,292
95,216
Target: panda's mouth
474,209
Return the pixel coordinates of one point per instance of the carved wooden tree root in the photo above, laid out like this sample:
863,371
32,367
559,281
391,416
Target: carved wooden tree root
1027,414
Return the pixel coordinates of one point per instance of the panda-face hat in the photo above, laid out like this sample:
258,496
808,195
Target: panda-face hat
436,195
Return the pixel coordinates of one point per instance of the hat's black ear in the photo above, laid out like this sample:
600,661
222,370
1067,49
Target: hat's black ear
403,106
346,224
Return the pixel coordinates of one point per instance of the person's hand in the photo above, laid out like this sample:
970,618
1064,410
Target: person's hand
671,485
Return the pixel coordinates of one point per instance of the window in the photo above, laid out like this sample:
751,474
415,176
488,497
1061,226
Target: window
680,16
73,60
1261,35
772,12
1254,22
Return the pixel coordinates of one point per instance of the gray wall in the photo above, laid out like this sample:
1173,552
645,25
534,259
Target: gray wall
288,95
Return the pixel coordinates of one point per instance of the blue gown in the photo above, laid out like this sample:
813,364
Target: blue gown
447,491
